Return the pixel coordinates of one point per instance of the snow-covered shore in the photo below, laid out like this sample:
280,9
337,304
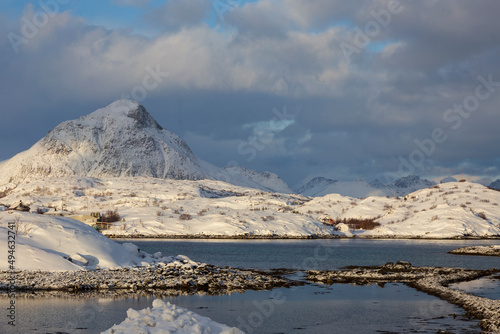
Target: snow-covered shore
168,318
488,310
53,243
180,274
492,250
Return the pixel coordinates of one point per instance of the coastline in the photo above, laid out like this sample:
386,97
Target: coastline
431,280
477,250
188,277
291,237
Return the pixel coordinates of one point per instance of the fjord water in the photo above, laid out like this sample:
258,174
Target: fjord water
322,254
313,308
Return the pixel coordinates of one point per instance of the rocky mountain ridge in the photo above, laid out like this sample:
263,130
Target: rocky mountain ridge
122,140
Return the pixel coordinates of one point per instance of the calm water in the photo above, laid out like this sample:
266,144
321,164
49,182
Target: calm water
488,287
394,308
322,254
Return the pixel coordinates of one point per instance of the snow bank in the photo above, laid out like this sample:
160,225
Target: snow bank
53,243
167,318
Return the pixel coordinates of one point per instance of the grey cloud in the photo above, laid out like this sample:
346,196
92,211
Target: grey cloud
356,119
178,14
257,20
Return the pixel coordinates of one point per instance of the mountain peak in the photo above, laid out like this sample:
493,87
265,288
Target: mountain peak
495,185
123,111
314,186
121,140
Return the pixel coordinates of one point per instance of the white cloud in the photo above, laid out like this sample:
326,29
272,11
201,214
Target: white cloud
286,49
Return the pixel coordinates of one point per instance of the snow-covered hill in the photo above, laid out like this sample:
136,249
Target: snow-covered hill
121,139
203,208
454,209
151,206
54,243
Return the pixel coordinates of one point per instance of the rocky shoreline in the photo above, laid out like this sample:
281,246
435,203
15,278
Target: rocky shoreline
492,250
431,280
291,237
187,277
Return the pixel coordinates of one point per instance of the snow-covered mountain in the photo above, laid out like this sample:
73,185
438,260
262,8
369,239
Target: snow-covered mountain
408,184
356,188
400,187
122,139
314,186
495,184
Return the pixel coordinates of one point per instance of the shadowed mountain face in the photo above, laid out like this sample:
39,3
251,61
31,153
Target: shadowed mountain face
122,139
495,185
321,186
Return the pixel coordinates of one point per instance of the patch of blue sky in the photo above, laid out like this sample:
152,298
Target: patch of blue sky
13,7
108,14
377,46
336,23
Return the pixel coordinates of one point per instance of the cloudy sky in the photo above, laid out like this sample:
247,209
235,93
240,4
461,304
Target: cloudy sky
342,89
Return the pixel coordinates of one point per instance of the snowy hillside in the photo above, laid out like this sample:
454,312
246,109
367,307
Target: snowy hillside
46,242
447,210
153,207
158,207
121,139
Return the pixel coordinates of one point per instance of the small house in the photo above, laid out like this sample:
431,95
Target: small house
326,220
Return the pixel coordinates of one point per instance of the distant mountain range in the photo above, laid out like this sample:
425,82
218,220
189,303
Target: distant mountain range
321,186
121,140
495,185
124,140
